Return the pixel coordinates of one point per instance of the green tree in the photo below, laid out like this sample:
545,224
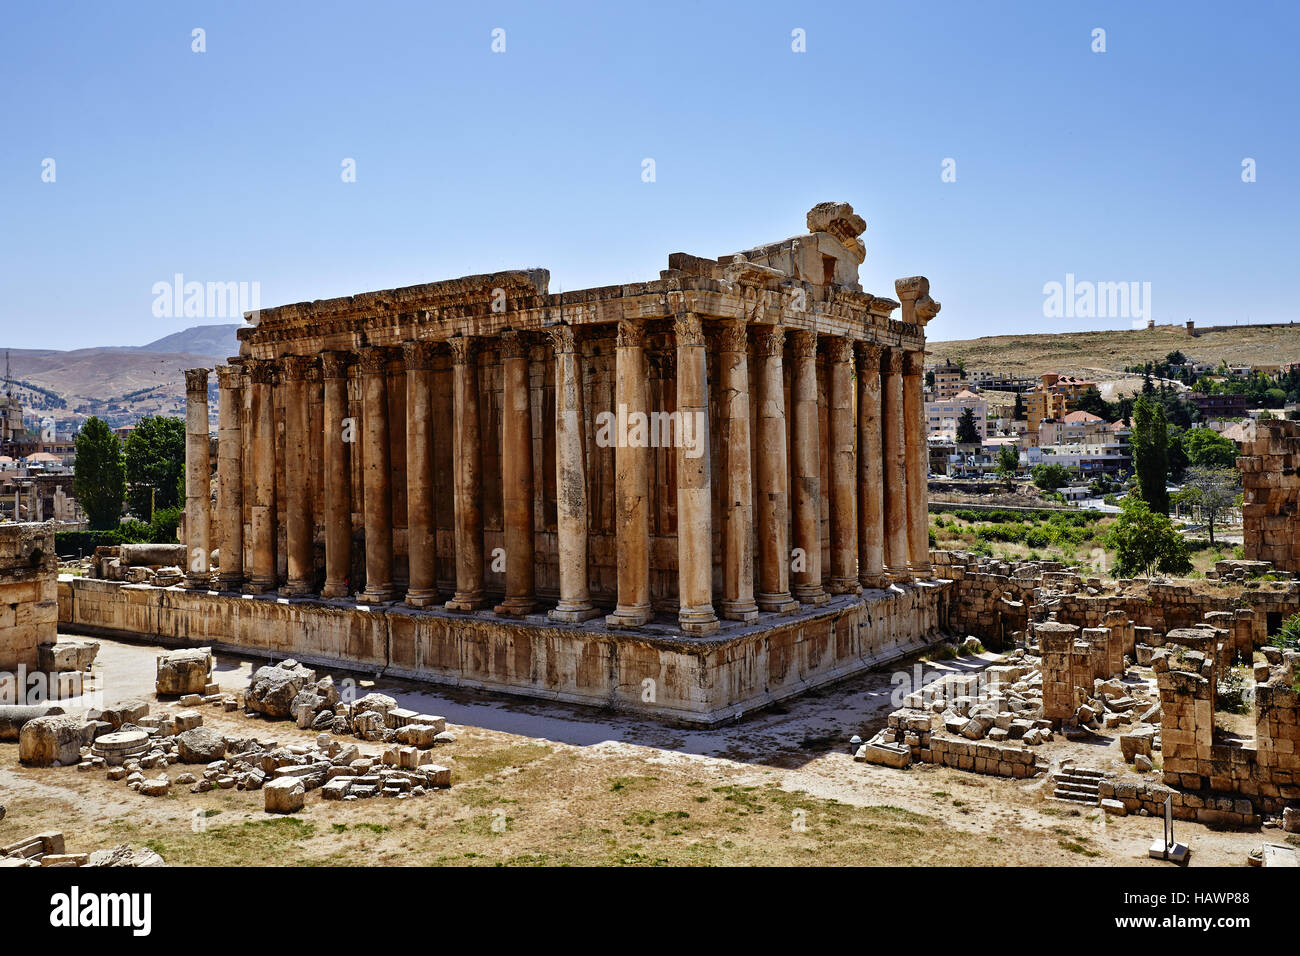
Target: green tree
968,432
1176,357
1145,541
155,462
1008,463
99,480
1150,445
1092,403
1212,491
1206,448
1018,412
1050,477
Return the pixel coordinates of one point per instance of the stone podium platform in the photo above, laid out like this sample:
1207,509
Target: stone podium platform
656,672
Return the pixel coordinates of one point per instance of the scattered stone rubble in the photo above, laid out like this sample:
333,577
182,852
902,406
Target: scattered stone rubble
48,849
187,671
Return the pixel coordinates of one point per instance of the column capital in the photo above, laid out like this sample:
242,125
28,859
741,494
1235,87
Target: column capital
335,364
894,361
631,335
373,359
868,352
769,340
564,338
196,380
230,376
418,354
913,362
803,343
514,344
463,349
261,371
839,349
296,367
733,336
688,329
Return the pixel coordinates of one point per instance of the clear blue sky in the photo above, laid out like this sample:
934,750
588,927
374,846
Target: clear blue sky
225,166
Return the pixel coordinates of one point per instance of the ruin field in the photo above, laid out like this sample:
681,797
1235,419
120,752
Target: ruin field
550,784
1091,354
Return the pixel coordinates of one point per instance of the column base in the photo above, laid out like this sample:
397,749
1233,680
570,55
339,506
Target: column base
376,595
573,613
781,603
811,595
259,587
231,584
296,589
421,597
878,581
515,607
698,620
898,575
740,611
844,586
201,581
334,590
922,572
633,616
461,601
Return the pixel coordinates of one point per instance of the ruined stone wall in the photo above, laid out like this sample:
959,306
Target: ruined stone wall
29,612
1271,487
1267,770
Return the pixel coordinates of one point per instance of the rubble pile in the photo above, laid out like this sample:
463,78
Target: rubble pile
48,849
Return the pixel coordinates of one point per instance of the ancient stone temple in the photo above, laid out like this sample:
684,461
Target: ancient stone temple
693,495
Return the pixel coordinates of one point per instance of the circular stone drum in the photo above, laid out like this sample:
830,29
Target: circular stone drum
117,748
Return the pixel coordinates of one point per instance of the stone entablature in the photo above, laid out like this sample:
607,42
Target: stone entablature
475,469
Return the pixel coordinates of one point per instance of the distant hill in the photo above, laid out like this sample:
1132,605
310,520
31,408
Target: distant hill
119,384
1092,354
200,340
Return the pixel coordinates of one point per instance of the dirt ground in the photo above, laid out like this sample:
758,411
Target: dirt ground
541,783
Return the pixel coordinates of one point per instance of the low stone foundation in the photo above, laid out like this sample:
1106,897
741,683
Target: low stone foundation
1212,809
660,675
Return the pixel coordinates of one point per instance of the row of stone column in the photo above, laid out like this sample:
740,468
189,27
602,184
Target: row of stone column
877,467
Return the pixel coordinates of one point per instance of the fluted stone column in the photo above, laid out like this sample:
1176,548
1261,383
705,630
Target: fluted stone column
917,465
631,482
263,512
917,309
843,470
737,513
773,473
377,476
422,590
299,525
805,441
198,481
570,481
467,462
230,478
339,432
895,454
517,475
694,482
871,467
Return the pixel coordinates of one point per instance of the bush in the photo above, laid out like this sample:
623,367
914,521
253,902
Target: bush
1288,635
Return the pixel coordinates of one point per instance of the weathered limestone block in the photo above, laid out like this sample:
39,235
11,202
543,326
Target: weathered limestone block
284,795
67,655
273,688
200,745
52,741
185,671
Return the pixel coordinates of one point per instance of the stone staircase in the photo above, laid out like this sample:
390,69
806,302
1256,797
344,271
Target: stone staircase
1077,785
